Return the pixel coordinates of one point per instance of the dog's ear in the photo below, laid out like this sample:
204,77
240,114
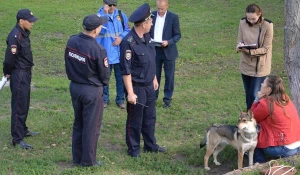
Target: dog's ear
250,113
241,111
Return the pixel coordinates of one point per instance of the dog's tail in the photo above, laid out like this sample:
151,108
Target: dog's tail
203,142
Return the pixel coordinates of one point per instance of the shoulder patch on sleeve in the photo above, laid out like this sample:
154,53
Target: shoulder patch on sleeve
105,62
128,55
268,20
130,39
13,49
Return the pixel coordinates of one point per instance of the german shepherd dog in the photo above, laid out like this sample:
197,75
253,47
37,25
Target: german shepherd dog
242,137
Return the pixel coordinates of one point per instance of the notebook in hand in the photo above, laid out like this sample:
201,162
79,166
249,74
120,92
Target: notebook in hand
2,82
156,43
248,46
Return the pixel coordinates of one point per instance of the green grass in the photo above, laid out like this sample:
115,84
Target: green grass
208,87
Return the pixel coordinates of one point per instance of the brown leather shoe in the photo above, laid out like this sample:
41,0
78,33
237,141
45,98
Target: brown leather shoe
121,105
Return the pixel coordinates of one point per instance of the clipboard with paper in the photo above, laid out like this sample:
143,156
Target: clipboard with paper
156,43
248,46
3,81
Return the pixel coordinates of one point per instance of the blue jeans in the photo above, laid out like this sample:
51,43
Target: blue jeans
119,85
251,86
273,152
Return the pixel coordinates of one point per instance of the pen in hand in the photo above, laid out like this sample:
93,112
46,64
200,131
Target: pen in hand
240,43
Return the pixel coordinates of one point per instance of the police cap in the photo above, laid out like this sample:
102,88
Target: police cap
141,14
26,14
110,2
93,21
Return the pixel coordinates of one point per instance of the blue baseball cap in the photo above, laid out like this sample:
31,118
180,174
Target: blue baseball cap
109,2
26,14
93,21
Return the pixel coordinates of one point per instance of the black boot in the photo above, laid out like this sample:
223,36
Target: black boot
31,133
23,145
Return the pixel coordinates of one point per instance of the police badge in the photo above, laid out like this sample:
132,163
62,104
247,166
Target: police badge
128,55
105,62
13,49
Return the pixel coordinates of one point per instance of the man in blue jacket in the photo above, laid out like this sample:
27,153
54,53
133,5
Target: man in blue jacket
110,38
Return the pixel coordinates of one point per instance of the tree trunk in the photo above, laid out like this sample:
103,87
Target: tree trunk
292,48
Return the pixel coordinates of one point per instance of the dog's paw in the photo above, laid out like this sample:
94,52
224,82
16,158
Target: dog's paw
207,168
251,166
217,163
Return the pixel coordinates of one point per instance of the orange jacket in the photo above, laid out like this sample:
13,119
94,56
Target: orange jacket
283,130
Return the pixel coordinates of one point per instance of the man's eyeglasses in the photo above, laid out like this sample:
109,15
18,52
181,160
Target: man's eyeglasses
112,5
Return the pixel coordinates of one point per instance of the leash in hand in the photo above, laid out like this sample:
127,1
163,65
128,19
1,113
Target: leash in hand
140,103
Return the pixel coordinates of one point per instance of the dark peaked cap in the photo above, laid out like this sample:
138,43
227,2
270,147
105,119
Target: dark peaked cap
26,14
141,14
93,21
109,2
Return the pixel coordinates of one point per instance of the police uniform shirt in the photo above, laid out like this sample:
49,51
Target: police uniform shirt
137,57
86,61
18,54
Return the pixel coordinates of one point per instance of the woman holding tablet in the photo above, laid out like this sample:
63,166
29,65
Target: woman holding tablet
255,37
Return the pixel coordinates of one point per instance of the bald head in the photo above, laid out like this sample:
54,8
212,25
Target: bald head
162,1
162,6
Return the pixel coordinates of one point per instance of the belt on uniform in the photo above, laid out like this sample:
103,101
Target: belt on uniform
139,84
24,69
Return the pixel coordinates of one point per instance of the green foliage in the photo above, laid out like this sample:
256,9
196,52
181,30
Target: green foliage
208,88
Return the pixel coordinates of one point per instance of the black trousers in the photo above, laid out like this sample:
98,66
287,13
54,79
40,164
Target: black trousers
88,110
20,99
141,120
169,70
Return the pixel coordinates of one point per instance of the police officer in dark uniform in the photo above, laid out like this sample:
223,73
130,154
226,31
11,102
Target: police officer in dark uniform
17,67
87,68
137,63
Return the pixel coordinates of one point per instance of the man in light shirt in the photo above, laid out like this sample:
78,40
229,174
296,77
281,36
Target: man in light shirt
166,33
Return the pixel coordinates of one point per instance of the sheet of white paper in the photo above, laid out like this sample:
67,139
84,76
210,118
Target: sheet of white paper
2,82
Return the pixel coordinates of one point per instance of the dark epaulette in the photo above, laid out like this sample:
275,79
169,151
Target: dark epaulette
72,36
268,20
243,18
130,39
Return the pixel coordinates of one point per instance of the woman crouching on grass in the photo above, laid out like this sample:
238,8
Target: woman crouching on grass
279,122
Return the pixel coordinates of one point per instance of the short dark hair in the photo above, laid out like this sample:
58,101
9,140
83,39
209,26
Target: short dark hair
138,24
